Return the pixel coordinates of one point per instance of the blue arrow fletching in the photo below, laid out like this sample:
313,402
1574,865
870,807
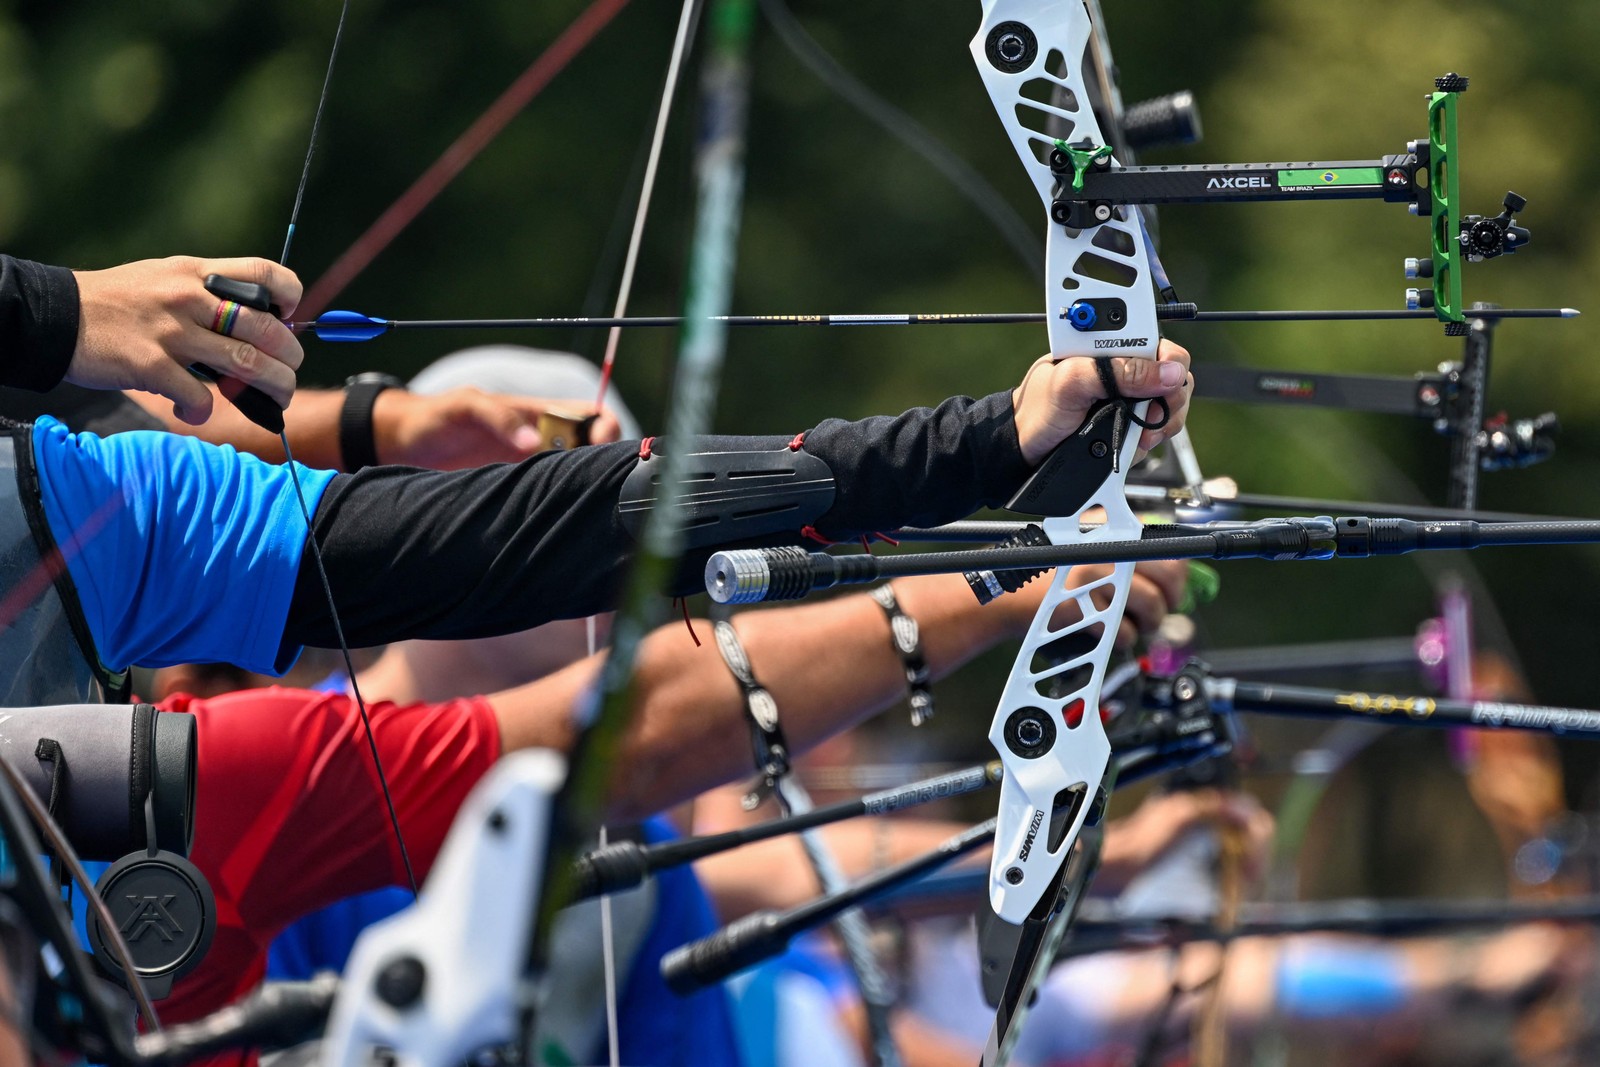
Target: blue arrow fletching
348,326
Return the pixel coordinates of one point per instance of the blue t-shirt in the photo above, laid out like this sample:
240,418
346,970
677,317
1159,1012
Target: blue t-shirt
658,1027
181,551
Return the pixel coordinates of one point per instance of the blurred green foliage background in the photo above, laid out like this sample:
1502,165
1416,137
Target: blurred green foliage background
178,126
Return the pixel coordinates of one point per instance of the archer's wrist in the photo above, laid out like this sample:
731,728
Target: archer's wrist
388,418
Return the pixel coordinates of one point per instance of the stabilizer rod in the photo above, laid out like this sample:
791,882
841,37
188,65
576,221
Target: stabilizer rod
625,864
747,576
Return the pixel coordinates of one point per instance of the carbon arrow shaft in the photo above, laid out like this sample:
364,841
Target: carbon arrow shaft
351,327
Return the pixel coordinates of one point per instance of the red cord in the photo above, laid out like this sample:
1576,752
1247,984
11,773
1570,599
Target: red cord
461,152
644,448
687,621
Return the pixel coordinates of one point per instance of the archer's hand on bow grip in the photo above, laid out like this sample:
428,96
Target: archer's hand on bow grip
1058,396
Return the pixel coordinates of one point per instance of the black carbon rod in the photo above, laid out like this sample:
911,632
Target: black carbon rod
1099,930
763,934
1420,512
625,864
1300,701
746,576
989,531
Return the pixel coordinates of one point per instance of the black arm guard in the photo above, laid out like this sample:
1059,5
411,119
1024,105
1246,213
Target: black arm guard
758,488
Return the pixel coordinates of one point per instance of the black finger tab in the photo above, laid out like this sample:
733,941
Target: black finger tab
255,405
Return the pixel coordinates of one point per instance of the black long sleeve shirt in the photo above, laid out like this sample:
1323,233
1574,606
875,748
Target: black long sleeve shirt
473,553
38,323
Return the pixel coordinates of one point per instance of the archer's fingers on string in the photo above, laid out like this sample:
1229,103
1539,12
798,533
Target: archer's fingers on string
280,281
267,335
606,429
233,357
508,420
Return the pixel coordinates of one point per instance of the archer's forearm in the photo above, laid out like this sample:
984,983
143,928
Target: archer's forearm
498,549
828,666
311,419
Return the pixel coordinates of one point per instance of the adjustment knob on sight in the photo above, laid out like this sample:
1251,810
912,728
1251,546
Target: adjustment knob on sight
1419,299
1484,239
1451,83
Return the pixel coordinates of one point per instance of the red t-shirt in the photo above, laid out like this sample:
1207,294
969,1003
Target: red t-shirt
289,815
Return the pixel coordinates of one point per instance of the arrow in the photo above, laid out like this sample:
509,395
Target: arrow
342,326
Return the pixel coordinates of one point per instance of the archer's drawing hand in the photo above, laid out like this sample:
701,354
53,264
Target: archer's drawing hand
141,325
1154,827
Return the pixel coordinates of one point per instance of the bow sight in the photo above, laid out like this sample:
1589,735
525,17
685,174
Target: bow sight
1424,177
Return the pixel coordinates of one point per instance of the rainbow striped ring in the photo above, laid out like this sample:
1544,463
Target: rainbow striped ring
225,318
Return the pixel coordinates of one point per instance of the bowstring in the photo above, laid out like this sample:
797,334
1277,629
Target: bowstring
299,492
687,19
316,127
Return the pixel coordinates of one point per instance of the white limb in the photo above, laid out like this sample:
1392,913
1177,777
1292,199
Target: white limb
1072,769
449,975
1046,101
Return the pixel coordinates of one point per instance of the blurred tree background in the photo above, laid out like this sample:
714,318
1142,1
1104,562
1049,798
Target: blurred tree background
178,126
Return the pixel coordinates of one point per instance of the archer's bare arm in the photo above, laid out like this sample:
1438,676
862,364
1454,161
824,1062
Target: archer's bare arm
828,665
453,430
